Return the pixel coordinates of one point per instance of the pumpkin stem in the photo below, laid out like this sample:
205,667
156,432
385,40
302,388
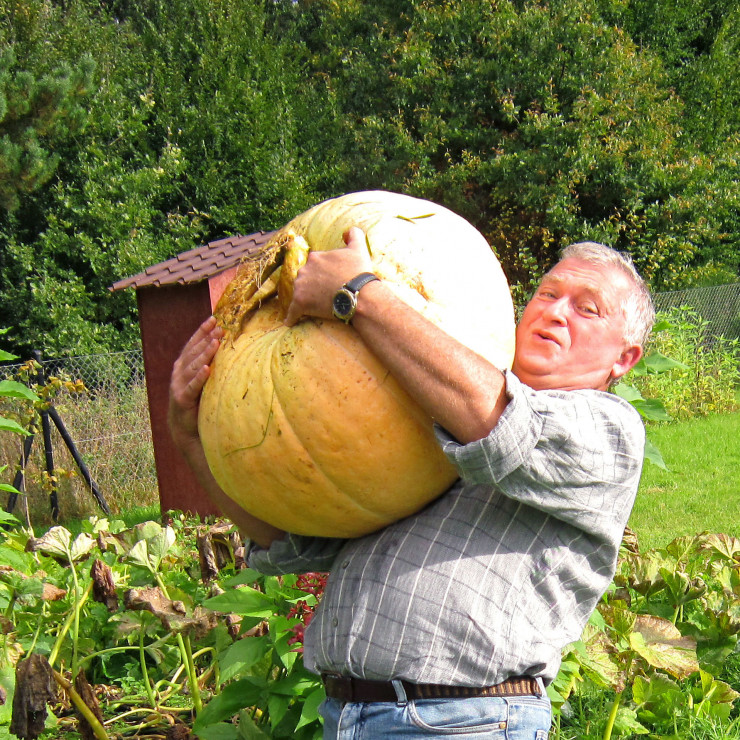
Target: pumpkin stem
259,276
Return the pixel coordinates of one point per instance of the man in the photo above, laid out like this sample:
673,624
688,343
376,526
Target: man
450,622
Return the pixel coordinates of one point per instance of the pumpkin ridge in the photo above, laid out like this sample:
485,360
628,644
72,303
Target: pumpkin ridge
344,496
397,392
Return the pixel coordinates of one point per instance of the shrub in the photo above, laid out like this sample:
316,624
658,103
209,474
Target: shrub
711,379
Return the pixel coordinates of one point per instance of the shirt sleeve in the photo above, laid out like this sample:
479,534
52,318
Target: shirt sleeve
295,554
574,454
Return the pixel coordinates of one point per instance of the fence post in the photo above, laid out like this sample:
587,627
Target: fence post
48,449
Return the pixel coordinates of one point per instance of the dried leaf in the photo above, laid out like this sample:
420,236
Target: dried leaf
34,688
87,694
172,614
104,589
208,567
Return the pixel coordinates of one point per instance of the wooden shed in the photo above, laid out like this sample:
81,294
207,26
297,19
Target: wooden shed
174,298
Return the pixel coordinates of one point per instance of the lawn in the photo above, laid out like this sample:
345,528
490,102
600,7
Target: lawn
700,491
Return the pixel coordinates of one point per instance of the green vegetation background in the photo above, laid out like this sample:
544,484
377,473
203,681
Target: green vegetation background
130,132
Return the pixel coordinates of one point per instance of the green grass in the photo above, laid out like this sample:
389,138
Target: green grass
700,491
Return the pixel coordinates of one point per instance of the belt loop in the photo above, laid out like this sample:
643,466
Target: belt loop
400,690
541,685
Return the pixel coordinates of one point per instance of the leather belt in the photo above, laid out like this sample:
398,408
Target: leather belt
346,689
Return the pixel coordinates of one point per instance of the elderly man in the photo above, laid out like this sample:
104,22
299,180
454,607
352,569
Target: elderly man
452,621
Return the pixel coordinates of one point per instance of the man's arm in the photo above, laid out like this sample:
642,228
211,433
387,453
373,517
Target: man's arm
189,374
457,387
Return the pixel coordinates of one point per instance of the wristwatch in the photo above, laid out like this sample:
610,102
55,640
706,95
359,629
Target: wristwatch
344,303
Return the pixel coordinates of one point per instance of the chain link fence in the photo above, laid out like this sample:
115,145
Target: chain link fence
718,305
108,425
109,421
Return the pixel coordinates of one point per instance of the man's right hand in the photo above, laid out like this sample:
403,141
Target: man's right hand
189,375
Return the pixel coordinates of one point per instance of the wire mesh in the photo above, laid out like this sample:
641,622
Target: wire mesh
718,305
109,425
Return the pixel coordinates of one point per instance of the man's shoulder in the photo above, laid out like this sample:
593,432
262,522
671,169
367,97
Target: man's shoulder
578,406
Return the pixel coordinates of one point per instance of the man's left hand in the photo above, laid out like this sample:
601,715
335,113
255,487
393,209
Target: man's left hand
324,274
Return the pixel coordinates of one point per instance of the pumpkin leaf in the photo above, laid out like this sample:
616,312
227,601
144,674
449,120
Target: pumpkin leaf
242,655
681,587
245,601
724,545
150,552
235,696
661,645
716,692
626,723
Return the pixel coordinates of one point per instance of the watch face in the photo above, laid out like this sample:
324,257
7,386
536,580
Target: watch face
343,304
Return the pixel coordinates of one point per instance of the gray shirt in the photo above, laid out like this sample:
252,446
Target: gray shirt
498,574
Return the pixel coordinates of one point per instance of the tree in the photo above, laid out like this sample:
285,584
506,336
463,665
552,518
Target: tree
194,132
35,113
540,123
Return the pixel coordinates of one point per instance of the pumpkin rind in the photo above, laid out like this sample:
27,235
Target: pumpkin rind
302,426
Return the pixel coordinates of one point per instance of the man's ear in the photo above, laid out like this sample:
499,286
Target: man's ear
626,361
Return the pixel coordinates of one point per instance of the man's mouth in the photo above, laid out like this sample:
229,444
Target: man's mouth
547,337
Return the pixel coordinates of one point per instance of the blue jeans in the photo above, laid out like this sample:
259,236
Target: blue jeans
494,718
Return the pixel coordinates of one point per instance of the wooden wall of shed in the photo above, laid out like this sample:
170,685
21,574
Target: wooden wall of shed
168,317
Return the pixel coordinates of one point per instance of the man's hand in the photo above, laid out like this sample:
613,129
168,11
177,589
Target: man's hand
189,375
324,274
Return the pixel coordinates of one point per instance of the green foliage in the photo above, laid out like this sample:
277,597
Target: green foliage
201,127
227,83
663,642
542,123
35,113
128,607
706,381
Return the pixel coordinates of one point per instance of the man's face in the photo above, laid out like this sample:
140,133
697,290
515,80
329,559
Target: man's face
571,333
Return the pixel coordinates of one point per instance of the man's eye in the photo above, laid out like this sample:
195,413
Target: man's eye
589,310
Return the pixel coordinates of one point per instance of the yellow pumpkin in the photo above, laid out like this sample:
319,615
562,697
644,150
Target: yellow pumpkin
302,426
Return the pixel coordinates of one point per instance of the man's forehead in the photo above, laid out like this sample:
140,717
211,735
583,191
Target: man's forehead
590,275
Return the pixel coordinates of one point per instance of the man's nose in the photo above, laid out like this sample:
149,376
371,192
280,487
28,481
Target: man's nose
557,310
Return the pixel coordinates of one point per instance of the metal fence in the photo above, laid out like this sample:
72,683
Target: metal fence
718,305
109,423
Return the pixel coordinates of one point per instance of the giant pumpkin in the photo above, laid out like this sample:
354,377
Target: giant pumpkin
303,426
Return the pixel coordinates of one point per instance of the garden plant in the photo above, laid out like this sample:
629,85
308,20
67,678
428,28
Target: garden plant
172,630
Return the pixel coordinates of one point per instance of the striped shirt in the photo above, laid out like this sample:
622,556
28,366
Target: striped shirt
498,574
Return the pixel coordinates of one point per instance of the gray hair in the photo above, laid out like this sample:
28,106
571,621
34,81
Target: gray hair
639,313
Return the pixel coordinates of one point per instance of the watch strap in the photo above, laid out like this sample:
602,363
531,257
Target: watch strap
359,281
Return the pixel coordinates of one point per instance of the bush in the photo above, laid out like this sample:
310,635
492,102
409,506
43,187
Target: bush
709,382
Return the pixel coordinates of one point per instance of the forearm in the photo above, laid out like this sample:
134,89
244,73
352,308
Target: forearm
459,389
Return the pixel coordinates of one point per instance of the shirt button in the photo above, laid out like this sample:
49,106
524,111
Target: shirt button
335,621
345,563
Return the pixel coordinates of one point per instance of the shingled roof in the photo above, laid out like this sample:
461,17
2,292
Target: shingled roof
197,264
